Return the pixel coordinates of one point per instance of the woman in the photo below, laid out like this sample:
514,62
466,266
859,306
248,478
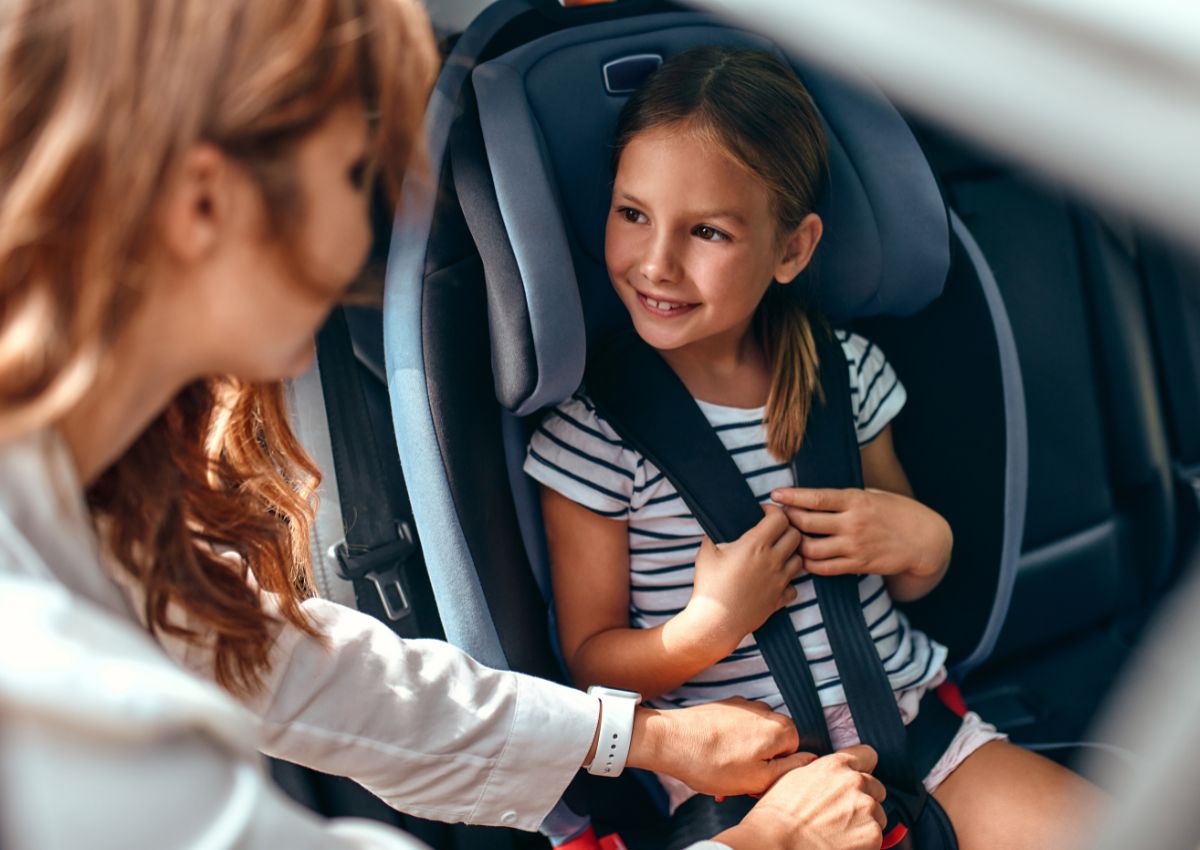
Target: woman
183,190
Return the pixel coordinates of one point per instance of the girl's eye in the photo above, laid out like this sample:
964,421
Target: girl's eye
710,234
631,215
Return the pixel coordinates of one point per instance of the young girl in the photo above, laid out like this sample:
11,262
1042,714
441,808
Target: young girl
720,158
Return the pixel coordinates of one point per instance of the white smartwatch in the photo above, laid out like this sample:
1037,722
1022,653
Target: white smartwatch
616,730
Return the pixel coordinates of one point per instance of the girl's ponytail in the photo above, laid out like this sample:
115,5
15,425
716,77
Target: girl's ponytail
785,332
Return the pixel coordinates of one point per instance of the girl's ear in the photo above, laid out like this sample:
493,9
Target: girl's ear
798,247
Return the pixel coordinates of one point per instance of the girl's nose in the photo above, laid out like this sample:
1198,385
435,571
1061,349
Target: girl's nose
659,262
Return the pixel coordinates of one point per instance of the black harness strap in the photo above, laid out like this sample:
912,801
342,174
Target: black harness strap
829,457
649,407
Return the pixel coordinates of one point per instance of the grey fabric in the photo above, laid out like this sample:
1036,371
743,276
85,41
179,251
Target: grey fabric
547,121
461,604
1016,481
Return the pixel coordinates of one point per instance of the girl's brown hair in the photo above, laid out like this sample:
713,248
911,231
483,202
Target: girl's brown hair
754,107
101,99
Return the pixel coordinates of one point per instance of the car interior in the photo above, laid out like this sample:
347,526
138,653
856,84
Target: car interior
1051,352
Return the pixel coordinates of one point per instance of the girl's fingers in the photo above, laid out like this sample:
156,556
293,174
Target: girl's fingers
810,498
788,596
814,522
773,524
822,548
788,543
833,567
793,567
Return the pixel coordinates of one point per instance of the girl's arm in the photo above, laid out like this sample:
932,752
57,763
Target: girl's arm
881,529
736,588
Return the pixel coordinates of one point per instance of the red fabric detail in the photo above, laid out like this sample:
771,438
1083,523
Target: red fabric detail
586,840
952,698
894,837
612,842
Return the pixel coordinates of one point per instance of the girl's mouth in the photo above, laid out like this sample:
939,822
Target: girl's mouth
664,309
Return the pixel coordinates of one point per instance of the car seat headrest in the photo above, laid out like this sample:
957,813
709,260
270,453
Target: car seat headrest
548,110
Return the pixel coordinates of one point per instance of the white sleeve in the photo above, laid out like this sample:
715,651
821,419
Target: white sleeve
420,724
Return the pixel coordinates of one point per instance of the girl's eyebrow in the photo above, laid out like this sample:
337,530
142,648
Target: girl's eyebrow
728,214
731,215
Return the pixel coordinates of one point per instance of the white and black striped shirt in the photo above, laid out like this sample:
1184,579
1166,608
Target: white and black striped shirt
577,453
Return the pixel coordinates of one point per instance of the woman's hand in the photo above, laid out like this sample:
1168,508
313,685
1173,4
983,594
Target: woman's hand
721,748
739,585
831,804
870,531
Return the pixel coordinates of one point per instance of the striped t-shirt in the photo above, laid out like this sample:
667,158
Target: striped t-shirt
577,453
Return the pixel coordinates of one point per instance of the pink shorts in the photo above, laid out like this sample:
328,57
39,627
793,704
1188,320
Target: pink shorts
973,734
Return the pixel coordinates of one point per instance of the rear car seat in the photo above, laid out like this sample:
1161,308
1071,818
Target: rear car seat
1100,534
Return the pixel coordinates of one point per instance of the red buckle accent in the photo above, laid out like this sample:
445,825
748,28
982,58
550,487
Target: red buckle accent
952,698
586,840
894,837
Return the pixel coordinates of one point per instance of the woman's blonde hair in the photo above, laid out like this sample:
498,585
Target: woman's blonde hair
100,100
755,108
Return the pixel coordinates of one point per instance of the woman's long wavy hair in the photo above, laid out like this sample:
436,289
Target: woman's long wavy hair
101,98
753,106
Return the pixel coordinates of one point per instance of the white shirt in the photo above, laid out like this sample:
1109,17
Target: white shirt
107,742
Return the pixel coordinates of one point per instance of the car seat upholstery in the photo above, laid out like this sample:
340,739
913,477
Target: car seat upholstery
1100,538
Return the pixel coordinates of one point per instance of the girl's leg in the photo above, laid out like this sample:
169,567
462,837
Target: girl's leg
1002,796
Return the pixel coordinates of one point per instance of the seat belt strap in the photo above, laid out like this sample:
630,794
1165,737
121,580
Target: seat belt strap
647,404
829,457
650,408
379,547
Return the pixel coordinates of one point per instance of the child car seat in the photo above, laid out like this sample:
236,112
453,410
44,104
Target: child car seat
489,323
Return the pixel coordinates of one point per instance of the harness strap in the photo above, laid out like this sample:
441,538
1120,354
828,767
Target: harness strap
830,457
650,408
647,404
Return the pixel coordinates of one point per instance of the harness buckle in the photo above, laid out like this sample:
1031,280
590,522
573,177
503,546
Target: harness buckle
384,567
903,809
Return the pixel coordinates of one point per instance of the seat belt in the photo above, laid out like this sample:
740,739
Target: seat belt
380,549
650,408
647,404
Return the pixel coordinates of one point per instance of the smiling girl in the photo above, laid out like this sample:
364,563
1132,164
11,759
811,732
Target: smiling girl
720,159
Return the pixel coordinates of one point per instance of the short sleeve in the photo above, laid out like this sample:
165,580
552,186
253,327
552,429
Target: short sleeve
876,393
575,452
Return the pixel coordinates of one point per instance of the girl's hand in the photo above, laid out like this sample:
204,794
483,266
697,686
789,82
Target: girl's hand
739,585
868,531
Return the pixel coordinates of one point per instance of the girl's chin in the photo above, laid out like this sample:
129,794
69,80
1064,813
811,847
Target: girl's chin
656,339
